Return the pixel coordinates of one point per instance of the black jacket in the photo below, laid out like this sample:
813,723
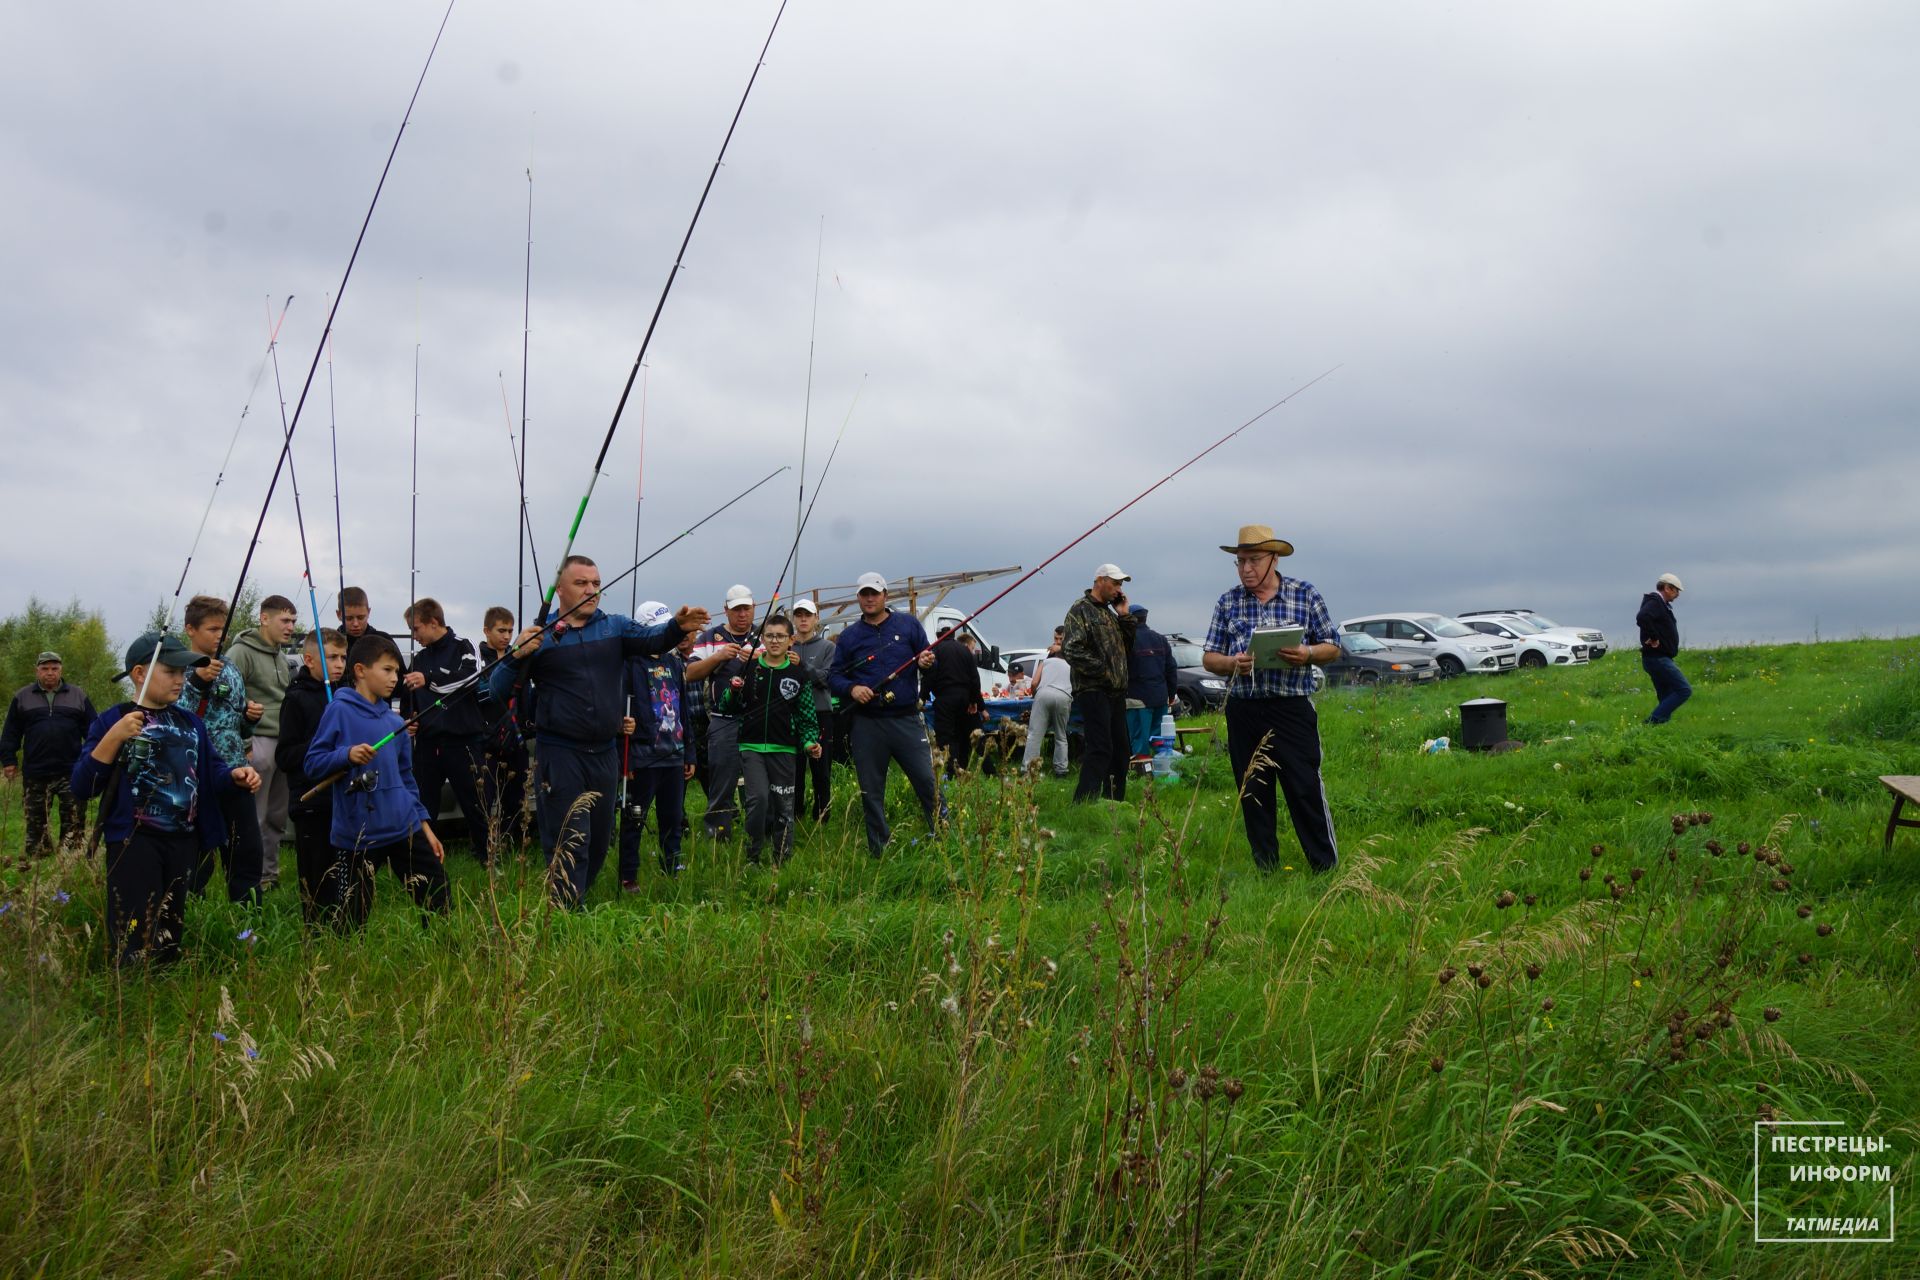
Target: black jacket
1151,674
954,679
446,661
299,716
1657,623
49,726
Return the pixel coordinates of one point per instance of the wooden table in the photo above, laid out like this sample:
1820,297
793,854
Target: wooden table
1904,789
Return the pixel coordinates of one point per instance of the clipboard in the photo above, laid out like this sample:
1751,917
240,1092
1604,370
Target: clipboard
1269,641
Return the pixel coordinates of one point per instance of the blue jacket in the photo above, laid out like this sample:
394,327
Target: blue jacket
391,811
658,687
864,654
1151,674
189,775
581,677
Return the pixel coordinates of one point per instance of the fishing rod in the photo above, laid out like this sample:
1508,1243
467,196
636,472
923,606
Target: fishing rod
333,435
520,472
794,551
806,407
443,692
293,424
600,460
640,499
520,458
146,676
1109,519
300,521
413,515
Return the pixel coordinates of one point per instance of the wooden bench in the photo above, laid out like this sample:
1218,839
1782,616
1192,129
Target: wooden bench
1904,789
1182,732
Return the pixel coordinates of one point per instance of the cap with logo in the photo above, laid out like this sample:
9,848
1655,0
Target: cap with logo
173,653
739,594
871,582
651,613
1113,571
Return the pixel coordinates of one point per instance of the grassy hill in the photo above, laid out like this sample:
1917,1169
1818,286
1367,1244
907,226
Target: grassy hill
1526,1028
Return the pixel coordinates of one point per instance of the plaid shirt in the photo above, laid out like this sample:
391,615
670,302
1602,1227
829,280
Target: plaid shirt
1239,613
695,701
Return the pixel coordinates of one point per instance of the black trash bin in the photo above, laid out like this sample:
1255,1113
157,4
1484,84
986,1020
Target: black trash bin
1483,724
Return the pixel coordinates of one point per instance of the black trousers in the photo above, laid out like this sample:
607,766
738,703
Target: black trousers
819,772
317,862
953,726
1285,734
344,895
149,875
575,791
503,790
769,794
901,739
458,762
663,788
34,795
1105,746
241,853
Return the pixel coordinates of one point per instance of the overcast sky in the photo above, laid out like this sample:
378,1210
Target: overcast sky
1613,289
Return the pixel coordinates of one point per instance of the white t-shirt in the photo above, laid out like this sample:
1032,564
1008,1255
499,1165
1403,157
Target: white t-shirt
1054,675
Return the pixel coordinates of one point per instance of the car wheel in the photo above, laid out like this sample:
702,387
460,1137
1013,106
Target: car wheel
1366,677
1532,659
1450,666
1185,704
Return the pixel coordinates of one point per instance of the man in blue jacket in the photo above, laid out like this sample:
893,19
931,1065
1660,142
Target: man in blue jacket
874,671
1152,676
579,674
1659,643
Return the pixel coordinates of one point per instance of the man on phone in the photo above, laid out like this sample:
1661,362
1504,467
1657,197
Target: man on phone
1271,722
1099,636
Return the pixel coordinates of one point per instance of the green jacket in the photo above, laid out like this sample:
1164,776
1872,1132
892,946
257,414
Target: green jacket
775,706
1096,645
267,674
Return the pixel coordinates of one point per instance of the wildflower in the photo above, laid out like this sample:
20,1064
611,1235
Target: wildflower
1177,1078
1556,766
245,935
1288,867
1597,850
1505,900
1534,971
1546,1006
1803,911
1234,1089
1484,981
62,897
220,1036
1586,873
1530,899
1745,848
1636,982
950,1006
253,1054
1510,804
1447,975
1438,1064
1474,971
5,907
1052,968
893,1006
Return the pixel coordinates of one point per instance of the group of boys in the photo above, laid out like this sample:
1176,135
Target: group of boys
224,750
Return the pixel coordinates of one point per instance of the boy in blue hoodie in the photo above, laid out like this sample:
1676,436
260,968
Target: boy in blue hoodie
165,807
377,815
660,752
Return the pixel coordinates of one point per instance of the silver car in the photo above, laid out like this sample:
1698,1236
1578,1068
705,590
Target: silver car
1457,648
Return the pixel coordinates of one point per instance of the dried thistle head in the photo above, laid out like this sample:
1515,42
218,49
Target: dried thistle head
1546,1006
1770,1013
1803,911
1823,928
1438,1064
1446,975
1534,970
1505,900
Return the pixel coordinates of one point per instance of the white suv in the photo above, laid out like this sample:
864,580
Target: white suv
1539,646
1592,637
1454,646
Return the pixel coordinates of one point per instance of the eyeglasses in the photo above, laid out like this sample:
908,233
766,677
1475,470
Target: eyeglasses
1251,562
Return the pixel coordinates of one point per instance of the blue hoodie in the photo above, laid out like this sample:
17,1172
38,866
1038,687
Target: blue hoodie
391,811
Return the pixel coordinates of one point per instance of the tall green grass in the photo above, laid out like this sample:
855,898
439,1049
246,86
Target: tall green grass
1051,1041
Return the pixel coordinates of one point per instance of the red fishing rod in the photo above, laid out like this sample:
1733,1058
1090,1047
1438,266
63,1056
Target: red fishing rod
1102,524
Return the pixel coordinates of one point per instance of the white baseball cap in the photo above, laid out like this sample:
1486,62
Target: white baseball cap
1669,580
871,582
1113,571
739,594
804,605
651,613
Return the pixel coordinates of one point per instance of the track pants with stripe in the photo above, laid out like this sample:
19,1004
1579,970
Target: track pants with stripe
1284,733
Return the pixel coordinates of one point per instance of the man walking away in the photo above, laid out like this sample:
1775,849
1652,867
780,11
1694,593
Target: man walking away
1659,645
48,720
1099,636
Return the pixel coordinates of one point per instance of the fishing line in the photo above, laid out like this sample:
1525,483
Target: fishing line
794,551
600,459
444,692
333,435
1109,519
806,409
300,522
633,603
520,473
520,461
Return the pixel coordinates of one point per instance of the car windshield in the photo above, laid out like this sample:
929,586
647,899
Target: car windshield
1186,655
1446,628
1546,624
1525,626
1359,642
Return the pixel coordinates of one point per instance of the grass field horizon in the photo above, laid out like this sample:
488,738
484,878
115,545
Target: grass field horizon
1525,1028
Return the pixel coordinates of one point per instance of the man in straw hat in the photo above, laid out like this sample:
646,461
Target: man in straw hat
1273,732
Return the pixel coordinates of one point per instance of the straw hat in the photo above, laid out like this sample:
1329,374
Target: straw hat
1259,537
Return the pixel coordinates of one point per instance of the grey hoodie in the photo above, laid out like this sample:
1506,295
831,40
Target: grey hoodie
267,674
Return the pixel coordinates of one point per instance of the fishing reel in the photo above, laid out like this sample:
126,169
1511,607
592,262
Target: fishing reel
365,782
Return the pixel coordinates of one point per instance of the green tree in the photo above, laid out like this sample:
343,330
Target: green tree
76,634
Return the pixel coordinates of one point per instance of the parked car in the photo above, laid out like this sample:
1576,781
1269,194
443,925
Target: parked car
1539,646
1452,644
1592,637
1199,689
1365,660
